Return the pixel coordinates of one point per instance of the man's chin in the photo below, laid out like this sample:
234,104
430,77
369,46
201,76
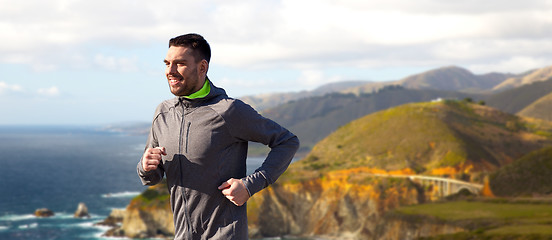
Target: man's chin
175,91
178,92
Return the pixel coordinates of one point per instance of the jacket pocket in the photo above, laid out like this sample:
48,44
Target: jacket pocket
187,137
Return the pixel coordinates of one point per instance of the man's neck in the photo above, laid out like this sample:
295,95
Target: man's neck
201,93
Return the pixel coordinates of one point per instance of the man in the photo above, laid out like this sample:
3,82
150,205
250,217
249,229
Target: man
198,140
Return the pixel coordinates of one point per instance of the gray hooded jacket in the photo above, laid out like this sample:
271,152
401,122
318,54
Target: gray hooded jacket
206,144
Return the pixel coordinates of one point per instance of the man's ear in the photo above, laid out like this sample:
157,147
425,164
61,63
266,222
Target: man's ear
203,66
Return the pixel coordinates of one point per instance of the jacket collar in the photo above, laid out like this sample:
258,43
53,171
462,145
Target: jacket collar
213,93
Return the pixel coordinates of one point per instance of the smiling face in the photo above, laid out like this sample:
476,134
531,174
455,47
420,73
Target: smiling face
184,74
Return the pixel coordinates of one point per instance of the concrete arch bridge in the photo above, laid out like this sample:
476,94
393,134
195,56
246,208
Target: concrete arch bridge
441,187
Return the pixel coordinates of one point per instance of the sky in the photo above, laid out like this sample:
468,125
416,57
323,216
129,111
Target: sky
76,62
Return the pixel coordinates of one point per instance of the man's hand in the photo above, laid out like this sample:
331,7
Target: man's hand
235,191
152,158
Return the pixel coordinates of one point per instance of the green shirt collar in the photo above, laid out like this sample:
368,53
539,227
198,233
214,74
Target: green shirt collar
203,92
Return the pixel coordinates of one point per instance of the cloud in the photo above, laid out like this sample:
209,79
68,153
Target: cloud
10,88
48,92
448,7
319,34
516,64
303,35
112,63
20,91
313,78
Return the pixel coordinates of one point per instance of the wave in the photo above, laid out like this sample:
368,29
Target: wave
99,232
126,194
57,216
62,215
27,226
16,218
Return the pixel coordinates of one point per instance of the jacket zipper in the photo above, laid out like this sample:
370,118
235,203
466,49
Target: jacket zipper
182,190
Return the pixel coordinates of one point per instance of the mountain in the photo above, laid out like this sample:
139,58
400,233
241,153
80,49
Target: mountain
516,99
370,87
312,119
264,101
425,136
451,78
529,77
333,191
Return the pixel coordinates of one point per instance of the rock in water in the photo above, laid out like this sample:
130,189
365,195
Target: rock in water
82,211
43,212
115,218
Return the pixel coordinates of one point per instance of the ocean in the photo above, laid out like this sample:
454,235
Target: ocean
59,167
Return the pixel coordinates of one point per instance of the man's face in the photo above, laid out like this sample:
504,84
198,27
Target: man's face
184,74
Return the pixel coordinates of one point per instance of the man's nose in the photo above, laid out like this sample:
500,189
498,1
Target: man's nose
171,68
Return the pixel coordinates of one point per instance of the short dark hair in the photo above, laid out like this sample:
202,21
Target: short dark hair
196,42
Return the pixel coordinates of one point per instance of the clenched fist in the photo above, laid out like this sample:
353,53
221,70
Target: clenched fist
235,191
152,157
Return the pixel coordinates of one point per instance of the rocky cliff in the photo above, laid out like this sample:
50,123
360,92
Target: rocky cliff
343,204
148,215
151,221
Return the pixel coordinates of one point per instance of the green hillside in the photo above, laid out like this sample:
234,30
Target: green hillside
539,109
526,176
429,135
515,100
314,118
492,219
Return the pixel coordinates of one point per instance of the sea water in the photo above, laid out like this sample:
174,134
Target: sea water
59,167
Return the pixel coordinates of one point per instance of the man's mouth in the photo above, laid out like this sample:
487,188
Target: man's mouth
174,81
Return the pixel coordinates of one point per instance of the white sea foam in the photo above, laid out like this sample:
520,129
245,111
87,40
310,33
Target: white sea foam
62,215
126,194
99,236
27,226
15,218
3,228
100,232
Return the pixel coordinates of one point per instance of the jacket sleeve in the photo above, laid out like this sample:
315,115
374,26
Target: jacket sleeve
248,125
155,176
